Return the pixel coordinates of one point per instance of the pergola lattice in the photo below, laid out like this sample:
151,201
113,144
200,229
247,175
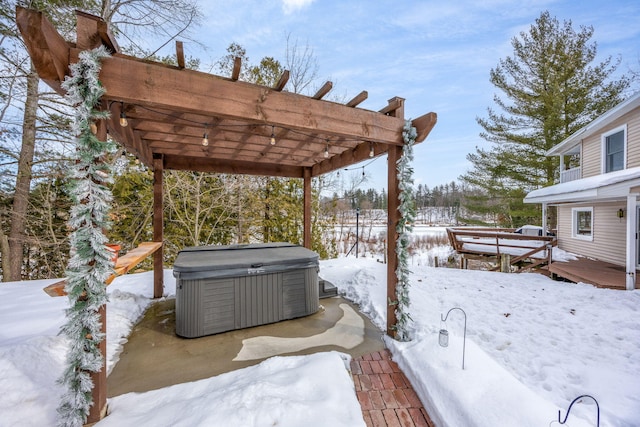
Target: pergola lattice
169,109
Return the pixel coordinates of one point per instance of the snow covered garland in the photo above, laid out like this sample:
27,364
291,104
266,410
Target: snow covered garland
404,228
90,262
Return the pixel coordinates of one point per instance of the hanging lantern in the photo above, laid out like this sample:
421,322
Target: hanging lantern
443,338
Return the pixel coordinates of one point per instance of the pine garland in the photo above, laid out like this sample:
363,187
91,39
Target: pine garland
90,262
404,228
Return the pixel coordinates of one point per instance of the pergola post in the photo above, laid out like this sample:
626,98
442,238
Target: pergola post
306,239
393,215
158,225
98,409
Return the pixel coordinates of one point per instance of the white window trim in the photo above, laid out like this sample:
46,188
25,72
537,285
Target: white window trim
574,223
603,143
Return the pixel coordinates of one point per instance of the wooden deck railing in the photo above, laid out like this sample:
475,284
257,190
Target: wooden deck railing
536,250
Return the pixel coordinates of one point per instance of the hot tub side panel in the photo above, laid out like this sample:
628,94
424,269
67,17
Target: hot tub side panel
257,301
205,306
300,293
210,306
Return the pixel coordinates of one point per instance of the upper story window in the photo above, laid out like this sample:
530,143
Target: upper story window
614,148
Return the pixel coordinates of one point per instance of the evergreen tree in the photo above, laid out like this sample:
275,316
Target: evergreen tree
551,89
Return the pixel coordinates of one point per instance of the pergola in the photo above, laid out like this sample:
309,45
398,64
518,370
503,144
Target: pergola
183,119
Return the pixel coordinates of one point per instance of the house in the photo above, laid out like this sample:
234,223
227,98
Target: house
597,198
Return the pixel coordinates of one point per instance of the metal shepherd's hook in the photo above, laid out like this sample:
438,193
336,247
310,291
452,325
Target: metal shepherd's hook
574,401
464,339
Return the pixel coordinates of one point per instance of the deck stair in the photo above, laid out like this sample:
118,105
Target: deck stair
327,289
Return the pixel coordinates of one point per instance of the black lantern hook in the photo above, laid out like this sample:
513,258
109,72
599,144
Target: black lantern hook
574,401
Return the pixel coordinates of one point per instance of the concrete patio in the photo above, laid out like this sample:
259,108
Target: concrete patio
155,357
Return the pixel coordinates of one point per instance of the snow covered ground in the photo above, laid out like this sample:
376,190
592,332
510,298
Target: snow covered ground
532,346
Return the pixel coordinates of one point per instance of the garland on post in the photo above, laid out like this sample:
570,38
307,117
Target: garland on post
90,262
404,228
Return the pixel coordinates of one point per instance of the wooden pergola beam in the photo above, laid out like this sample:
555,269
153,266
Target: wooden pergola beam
393,105
282,82
200,164
358,99
92,31
120,133
222,151
237,66
180,54
46,47
323,90
187,90
344,159
257,139
424,125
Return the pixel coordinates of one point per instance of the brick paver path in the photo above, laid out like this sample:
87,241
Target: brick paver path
385,393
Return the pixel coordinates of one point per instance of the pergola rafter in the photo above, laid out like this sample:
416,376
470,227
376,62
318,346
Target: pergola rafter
170,108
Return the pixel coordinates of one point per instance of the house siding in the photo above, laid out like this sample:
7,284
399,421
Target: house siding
633,140
592,145
609,233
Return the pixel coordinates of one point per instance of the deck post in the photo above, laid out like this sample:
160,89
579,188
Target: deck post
632,256
505,263
306,239
158,225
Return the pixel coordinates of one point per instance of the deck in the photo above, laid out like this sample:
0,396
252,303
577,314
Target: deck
523,251
598,273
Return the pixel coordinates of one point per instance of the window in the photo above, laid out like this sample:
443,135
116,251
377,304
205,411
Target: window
613,149
582,223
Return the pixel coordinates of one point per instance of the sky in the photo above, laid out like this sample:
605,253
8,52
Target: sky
532,346
437,55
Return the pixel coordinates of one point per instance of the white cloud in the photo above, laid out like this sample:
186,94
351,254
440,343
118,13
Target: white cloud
290,6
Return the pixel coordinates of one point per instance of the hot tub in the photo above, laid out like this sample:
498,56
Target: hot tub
222,288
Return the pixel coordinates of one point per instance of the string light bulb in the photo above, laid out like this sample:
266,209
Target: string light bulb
94,128
205,139
123,117
371,152
326,150
273,136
